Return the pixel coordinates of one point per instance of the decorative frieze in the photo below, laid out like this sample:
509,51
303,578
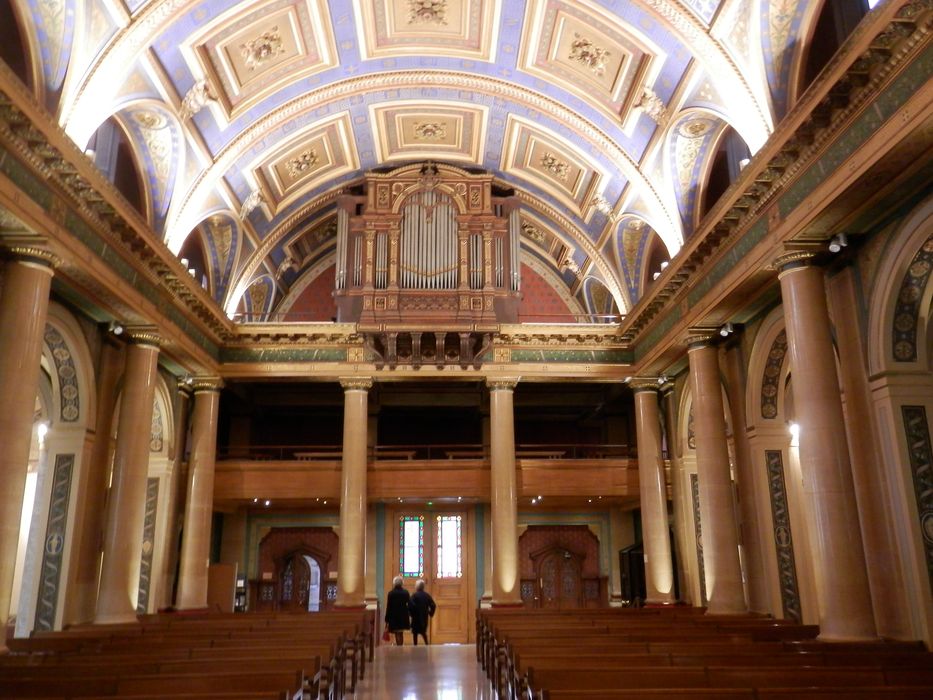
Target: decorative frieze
148,545
54,549
771,377
909,297
920,453
66,373
701,565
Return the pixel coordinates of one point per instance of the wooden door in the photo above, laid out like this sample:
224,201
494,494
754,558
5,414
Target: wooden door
560,579
295,584
436,546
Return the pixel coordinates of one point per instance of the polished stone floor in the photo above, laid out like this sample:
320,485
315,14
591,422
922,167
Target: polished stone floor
441,672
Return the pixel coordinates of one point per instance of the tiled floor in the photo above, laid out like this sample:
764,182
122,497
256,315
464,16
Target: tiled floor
442,672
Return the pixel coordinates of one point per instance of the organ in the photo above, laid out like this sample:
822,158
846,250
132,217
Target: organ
428,263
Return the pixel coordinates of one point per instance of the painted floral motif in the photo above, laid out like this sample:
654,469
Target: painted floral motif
586,53
302,163
427,11
533,232
67,376
772,375
262,49
555,166
155,433
430,131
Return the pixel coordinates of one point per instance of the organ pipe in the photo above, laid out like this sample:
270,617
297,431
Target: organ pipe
515,250
342,228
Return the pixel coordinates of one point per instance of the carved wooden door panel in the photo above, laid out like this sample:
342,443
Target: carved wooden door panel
560,580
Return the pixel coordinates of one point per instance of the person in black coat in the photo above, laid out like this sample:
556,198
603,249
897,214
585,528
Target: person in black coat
422,608
397,619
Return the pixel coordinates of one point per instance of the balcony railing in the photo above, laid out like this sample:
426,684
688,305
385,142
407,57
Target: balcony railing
449,452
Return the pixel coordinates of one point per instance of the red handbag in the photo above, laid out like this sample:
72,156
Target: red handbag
385,634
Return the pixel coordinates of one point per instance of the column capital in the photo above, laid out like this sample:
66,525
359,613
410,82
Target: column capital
206,383
700,337
792,259
356,383
144,335
501,383
31,254
639,384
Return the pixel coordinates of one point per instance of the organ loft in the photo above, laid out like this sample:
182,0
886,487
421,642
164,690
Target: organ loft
428,263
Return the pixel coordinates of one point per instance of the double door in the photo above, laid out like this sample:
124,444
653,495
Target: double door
436,546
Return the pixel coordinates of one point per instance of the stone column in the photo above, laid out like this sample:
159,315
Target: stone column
733,369
505,575
724,591
351,581
838,557
196,540
678,491
659,573
24,303
119,577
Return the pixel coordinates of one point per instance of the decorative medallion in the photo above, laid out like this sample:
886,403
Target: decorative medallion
150,120
302,163
906,312
67,375
585,52
430,131
155,434
770,382
50,573
555,166
920,451
783,542
427,11
262,49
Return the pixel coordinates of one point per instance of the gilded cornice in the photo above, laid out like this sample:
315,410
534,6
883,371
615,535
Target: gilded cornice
842,89
29,132
700,338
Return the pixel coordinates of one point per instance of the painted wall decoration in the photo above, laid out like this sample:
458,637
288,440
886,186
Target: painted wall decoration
145,566
920,450
67,376
695,493
53,551
770,381
783,542
907,310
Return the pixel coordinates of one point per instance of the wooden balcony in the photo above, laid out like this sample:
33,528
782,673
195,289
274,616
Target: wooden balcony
302,474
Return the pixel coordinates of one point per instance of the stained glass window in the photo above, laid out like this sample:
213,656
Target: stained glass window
449,546
411,545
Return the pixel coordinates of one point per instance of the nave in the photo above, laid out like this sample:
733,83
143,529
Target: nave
435,672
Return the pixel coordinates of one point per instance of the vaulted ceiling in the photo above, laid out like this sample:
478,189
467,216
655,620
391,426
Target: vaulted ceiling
248,118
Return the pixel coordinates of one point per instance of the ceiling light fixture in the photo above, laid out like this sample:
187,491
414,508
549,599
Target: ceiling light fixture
838,242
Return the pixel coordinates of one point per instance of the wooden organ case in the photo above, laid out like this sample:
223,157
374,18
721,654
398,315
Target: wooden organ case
428,264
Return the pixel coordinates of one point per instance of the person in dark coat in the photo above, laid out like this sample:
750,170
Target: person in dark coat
422,608
397,619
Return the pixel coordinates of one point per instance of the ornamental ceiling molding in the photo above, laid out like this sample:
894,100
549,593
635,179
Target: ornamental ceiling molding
271,241
812,124
608,275
693,33
199,190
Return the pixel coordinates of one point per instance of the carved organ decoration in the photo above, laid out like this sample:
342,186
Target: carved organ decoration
428,263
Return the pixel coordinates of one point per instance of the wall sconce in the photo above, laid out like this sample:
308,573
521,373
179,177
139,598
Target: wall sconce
115,327
794,430
838,242
726,330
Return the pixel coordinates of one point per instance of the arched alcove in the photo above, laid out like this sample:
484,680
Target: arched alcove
112,152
